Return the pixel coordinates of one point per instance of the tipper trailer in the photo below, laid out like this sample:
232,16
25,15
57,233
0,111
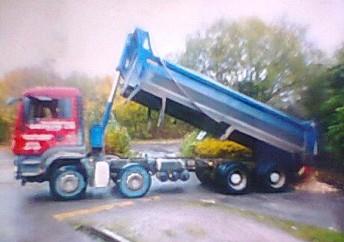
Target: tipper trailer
49,132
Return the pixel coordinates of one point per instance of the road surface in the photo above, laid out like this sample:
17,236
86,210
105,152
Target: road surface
169,212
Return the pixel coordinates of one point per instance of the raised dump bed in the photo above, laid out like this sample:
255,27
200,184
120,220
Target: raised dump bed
209,105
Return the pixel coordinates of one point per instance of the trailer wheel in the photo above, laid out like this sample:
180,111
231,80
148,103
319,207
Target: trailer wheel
272,177
68,183
233,177
203,174
134,181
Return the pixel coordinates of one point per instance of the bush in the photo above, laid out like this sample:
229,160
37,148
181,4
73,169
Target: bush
135,118
213,148
4,131
189,144
335,135
117,140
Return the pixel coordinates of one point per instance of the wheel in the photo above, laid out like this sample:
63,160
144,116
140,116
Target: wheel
162,176
134,181
174,176
184,175
233,177
203,174
68,183
272,177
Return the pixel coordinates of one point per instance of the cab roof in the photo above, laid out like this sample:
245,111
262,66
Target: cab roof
53,92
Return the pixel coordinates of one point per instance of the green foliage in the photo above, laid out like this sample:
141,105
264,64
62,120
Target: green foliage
335,133
136,118
117,140
189,144
4,131
305,232
212,148
332,111
316,92
324,100
268,62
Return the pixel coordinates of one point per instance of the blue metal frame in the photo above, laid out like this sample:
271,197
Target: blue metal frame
97,130
153,81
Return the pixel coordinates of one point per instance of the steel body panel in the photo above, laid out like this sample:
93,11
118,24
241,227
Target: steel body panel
146,73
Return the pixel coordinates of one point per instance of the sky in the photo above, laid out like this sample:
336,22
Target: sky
87,36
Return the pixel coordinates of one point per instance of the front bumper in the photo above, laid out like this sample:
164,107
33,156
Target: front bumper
27,167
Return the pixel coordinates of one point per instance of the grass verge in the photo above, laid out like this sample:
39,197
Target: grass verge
299,230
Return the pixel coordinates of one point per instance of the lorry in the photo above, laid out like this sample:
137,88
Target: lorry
49,137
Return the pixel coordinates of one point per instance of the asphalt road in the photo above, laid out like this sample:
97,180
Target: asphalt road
169,212
323,209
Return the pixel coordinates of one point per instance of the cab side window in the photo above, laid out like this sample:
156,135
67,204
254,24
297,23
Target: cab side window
48,109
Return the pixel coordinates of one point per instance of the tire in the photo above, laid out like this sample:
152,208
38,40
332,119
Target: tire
203,174
272,177
233,178
134,181
68,183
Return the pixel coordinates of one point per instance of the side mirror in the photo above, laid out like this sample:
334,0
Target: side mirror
12,100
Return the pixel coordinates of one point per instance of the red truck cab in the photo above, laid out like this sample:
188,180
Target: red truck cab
48,117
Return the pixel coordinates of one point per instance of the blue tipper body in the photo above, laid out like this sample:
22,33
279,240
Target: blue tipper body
209,105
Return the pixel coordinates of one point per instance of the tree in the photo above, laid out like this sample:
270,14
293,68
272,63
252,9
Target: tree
324,102
136,118
332,110
265,61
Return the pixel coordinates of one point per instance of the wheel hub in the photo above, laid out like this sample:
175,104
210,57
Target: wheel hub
135,181
237,181
275,177
236,178
69,183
